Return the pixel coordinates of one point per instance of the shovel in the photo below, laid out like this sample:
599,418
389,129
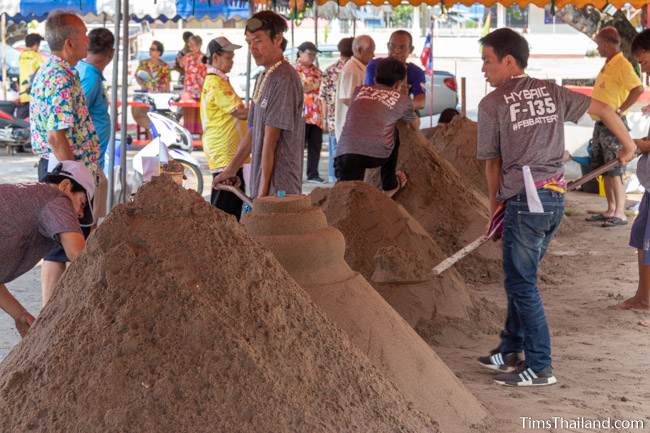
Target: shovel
233,189
496,224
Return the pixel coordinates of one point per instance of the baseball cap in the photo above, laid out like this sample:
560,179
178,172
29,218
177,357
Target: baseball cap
221,44
77,171
308,46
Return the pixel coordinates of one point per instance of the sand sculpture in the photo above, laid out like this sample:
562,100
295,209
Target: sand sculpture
446,205
174,320
313,253
396,254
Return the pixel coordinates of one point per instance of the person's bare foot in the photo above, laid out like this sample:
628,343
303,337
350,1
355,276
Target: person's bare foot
645,323
632,304
23,323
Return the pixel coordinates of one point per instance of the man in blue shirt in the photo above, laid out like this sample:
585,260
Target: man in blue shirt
90,69
400,47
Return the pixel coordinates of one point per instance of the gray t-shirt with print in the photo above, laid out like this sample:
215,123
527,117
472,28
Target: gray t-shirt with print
522,122
32,215
280,106
369,127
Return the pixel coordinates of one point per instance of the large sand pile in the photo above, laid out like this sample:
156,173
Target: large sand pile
313,253
456,142
396,254
452,210
174,320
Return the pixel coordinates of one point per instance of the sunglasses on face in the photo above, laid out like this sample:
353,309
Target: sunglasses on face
153,49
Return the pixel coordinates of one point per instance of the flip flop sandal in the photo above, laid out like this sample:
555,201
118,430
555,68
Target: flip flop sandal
615,221
597,217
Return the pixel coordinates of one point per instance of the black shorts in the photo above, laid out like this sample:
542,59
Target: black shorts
604,148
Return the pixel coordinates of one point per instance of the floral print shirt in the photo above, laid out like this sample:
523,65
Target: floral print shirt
328,92
160,78
58,103
311,78
195,71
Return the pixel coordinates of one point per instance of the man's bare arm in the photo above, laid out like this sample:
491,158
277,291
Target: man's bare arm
60,145
419,101
493,177
240,113
616,126
73,243
631,99
271,137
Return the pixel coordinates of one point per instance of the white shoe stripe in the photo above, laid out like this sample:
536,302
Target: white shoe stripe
532,373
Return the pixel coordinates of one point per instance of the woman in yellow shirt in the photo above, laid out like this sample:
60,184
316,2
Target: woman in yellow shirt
28,63
223,117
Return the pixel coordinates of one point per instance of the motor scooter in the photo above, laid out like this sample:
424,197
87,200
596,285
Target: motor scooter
167,132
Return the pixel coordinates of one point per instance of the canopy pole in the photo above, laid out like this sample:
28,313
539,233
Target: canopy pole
251,12
4,56
432,28
293,16
316,23
114,81
124,96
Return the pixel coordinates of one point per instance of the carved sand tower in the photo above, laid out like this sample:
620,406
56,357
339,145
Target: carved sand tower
313,253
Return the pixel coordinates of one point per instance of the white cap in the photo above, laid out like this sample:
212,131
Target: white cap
221,43
77,171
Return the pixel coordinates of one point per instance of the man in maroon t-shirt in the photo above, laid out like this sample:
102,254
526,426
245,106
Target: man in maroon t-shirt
367,139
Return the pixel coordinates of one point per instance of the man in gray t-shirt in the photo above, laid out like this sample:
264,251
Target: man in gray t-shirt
37,217
276,128
520,127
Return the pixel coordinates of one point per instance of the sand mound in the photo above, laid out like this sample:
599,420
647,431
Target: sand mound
395,254
313,253
174,320
452,210
456,142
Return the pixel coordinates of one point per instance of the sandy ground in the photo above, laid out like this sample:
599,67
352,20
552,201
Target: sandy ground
600,354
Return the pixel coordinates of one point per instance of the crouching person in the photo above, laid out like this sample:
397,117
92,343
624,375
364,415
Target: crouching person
36,218
367,139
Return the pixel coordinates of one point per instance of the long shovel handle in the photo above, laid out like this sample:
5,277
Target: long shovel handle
496,226
592,175
460,254
469,248
243,197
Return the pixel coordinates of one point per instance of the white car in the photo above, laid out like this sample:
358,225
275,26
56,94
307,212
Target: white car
445,89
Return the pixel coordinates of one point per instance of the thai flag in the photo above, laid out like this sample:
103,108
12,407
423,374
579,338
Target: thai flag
427,54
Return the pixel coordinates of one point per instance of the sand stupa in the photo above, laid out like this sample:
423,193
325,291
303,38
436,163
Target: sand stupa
174,320
456,142
447,205
313,252
396,254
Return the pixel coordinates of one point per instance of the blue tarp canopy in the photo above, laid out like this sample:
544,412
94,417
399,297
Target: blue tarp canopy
147,10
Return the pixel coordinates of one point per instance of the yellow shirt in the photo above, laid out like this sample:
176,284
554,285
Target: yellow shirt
614,82
221,131
28,63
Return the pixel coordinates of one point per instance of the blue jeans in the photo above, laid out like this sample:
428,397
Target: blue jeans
330,163
525,239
